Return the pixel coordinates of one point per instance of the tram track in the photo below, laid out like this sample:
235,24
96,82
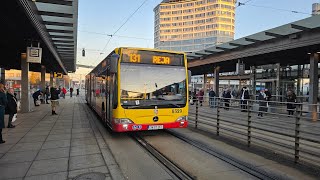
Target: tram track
246,167
175,170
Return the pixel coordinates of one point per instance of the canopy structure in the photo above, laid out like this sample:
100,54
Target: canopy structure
287,44
51,24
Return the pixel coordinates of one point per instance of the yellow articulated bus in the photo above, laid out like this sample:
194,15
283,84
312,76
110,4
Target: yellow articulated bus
135,89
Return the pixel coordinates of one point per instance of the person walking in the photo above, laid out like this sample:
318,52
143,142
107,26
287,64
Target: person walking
78,91
227,97
71,91
47,94
35,96
64,92
244,98
212,98
200,96
291,99
54,99
262,103
11,108
3,104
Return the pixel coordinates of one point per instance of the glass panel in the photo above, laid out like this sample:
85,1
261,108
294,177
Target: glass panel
145,86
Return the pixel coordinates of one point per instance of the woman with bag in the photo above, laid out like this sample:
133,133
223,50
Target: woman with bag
11,106
3,104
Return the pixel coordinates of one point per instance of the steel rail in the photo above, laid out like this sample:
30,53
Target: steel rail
248,168
173,168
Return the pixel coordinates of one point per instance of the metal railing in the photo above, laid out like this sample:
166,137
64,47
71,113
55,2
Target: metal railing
267,124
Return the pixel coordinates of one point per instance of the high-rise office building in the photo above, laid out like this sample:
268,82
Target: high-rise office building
192,25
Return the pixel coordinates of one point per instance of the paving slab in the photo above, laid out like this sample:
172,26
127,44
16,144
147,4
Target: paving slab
48,166
43,146
87,161
53,153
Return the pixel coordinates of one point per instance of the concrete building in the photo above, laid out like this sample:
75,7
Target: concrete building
192,25
315,8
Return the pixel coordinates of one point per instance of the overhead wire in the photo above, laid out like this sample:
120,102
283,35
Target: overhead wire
105,34
267,7
121,27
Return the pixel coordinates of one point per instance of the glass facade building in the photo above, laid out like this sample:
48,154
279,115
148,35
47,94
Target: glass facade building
193,25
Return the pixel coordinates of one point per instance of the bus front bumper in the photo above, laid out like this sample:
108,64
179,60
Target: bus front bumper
146,127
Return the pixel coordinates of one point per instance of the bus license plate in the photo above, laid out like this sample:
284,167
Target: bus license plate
155,127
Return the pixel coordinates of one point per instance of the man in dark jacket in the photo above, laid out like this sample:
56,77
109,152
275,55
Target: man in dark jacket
212,98
71,91
11,108
35,96
54,99
47,94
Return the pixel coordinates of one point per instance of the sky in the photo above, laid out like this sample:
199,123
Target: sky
97,18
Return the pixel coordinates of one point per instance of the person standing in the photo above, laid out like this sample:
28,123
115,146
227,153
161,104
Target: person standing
71,91
212,98
11,108
262,103
268,97
227,97
244,98
54,99
200,96
291,99
78,91
47,94
3,104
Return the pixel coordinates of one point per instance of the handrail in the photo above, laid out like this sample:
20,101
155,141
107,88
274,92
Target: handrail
282,132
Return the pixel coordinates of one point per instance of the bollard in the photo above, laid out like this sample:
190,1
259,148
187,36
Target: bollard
249,124
218,118
297,134
197,106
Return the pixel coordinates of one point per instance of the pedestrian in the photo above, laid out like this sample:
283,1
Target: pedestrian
244,98
3,104
291,99
64,92
262,103
78,91
200,96
35,96
71,91
11,107
47,94
212,98
227,97
54,99
268,97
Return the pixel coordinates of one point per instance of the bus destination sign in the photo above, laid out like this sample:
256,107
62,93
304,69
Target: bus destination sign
152,57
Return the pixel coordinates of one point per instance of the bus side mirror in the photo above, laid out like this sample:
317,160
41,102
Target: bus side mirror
114,63
189,76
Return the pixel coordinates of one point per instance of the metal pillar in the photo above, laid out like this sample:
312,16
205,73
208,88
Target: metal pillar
51,79
3,76
253,79
216,80
313,85
278,89
25,86
205,78
299,81
43,80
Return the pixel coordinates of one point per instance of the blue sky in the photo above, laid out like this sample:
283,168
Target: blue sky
106,16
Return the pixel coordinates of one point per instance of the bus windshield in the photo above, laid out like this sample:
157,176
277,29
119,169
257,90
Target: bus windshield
147,86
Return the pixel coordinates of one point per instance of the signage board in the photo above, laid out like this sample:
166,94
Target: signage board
34,54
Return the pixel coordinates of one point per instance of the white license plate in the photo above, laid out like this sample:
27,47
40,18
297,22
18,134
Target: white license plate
155,127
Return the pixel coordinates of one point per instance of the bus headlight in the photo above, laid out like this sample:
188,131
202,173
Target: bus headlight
182,118
122,121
